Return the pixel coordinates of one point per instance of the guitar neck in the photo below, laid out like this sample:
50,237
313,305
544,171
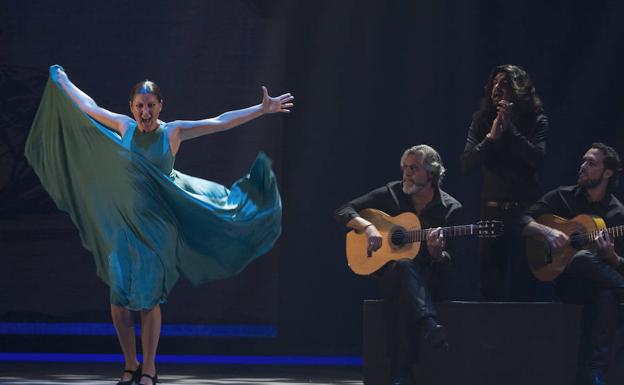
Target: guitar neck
448,232
615,231
585,238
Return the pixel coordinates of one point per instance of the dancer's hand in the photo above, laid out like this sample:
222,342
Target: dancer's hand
280,103
57,73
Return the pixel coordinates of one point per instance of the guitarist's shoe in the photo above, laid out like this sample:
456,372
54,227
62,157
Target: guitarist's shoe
435,335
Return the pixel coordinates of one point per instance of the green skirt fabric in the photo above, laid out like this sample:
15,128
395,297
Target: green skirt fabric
142,223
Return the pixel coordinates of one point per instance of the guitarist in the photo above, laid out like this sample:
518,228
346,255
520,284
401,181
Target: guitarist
594,277
406,284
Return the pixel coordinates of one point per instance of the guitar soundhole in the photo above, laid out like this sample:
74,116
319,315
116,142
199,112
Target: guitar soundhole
398,237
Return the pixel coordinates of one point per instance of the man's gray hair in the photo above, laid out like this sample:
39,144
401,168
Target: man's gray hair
431,161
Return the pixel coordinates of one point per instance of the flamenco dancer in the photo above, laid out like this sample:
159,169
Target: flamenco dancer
143,221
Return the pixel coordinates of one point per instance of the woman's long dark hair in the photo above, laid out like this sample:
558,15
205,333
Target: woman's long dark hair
527,103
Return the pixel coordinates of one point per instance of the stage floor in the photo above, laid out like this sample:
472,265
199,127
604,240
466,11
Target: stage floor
107,374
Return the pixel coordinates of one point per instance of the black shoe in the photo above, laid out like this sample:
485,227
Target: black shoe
136,374
154,378
435,335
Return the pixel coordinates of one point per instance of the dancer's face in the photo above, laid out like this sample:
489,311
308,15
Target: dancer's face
146,109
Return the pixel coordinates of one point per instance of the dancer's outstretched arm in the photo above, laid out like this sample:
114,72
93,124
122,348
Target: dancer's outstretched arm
183,129
115,121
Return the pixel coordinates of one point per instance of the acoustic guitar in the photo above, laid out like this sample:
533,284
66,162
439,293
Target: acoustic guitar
547,263
402,236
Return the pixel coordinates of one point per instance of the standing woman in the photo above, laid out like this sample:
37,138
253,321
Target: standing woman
507,141
143,221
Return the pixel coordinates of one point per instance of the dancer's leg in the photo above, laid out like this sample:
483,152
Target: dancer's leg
124,325
150,333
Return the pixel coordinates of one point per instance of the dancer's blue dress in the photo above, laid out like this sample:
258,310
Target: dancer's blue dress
143,221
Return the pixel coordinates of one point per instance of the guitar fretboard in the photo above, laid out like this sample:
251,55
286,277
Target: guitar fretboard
452,231
614,232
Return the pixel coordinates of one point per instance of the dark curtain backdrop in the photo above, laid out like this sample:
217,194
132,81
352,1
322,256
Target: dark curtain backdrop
371,79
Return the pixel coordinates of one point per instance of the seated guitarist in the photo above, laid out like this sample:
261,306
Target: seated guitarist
406,284
594,276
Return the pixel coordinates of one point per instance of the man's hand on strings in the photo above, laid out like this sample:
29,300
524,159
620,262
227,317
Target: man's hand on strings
606,248
436,244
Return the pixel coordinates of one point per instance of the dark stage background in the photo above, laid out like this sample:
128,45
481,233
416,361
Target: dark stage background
370,78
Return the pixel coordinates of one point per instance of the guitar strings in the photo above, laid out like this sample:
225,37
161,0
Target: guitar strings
616,231
487,228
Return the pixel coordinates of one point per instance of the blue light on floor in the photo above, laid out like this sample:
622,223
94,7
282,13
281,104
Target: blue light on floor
107,329
188,359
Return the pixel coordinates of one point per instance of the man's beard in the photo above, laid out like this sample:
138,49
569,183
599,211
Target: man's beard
411,188
590,183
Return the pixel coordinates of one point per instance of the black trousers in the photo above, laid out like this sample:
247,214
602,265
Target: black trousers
405,285
505,273
591,281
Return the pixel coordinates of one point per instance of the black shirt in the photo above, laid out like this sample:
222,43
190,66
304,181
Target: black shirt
443,210
510,164
570,201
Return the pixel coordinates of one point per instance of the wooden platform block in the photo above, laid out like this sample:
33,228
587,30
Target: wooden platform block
490,343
